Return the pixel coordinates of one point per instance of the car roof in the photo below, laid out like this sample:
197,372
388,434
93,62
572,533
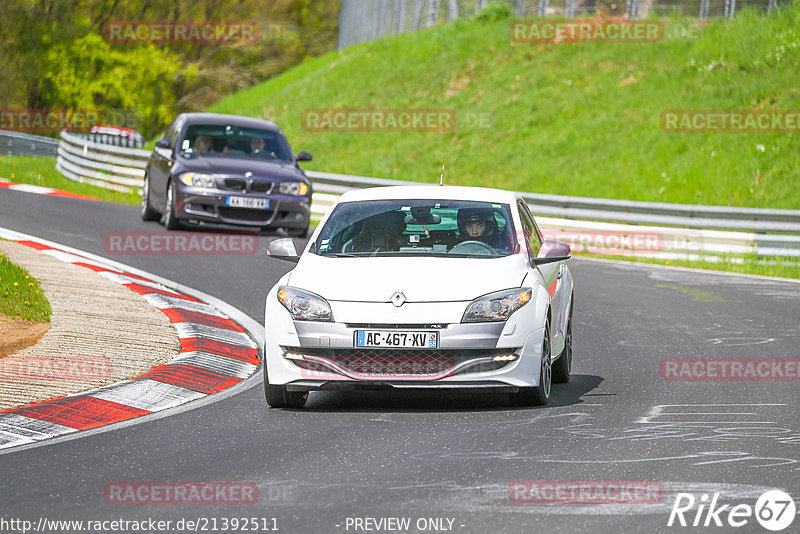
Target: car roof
237,120
447,192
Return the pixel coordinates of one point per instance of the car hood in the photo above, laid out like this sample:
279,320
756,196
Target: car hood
420,279
239,166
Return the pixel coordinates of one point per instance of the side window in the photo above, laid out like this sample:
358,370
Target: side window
539,237
173,131
530,231
168,133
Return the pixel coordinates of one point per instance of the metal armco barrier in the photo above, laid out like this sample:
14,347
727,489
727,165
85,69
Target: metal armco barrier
615,226
108,166
17,143
604,209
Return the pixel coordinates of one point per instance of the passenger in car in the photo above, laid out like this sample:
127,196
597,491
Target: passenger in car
382,232
203,143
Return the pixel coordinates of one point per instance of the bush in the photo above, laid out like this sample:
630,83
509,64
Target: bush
87,73
493,12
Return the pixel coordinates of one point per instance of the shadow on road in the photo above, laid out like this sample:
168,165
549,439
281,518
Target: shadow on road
444,401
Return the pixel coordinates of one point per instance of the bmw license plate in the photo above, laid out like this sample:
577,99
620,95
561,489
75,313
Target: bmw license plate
247,202
397,339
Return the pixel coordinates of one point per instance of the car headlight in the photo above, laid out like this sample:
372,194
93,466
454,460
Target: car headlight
496,306
304,305
295,189
198,179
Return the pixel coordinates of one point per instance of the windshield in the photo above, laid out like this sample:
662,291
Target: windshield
449,228
235,141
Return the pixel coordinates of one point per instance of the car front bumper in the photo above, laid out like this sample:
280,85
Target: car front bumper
305,355
209,208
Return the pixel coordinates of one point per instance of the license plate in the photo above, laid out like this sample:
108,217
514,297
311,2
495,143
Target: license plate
397,339
247,202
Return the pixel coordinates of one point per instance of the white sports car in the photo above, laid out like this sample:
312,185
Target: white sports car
421,287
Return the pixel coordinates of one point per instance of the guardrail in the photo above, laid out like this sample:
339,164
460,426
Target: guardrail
21,144
602,237
604,209
594,224
108,166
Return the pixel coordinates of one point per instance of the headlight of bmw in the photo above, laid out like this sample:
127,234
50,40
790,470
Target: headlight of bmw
295,189
304,305
496,306
199,179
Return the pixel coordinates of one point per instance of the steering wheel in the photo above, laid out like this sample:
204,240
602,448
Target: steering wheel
473,247
263,153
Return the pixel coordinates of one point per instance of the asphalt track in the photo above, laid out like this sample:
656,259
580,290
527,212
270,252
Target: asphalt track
432,455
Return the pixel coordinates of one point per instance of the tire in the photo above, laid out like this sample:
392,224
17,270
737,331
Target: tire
563,365
147,212
170,220
538,396
280,397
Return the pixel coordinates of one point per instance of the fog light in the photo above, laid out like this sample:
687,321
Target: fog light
504,358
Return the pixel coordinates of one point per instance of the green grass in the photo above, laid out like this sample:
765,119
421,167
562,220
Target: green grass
574,119
38,170
765,265
20,294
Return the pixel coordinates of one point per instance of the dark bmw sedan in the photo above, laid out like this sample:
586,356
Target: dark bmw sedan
227,170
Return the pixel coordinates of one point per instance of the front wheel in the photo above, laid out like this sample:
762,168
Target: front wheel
563,366
147,212
538,396
280,397
170,220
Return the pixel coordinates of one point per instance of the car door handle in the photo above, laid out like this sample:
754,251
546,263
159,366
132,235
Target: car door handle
560,273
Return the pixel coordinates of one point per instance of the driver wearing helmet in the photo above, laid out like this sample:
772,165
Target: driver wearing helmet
479,224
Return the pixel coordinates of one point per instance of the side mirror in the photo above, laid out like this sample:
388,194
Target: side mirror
163,143
283,249
304,156
552,251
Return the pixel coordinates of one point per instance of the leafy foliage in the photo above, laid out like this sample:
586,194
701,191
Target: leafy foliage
47,44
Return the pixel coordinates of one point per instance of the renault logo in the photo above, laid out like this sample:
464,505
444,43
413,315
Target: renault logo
398,299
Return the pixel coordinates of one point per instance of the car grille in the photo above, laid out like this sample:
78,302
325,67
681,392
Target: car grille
235,184
261,187
245,214
388,363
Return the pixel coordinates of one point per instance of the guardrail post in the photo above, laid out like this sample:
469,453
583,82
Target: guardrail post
704,8
633,9
433,13
520,8
569,12
543,7
772,5
730,9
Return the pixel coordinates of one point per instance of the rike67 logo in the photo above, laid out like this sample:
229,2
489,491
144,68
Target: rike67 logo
774,511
